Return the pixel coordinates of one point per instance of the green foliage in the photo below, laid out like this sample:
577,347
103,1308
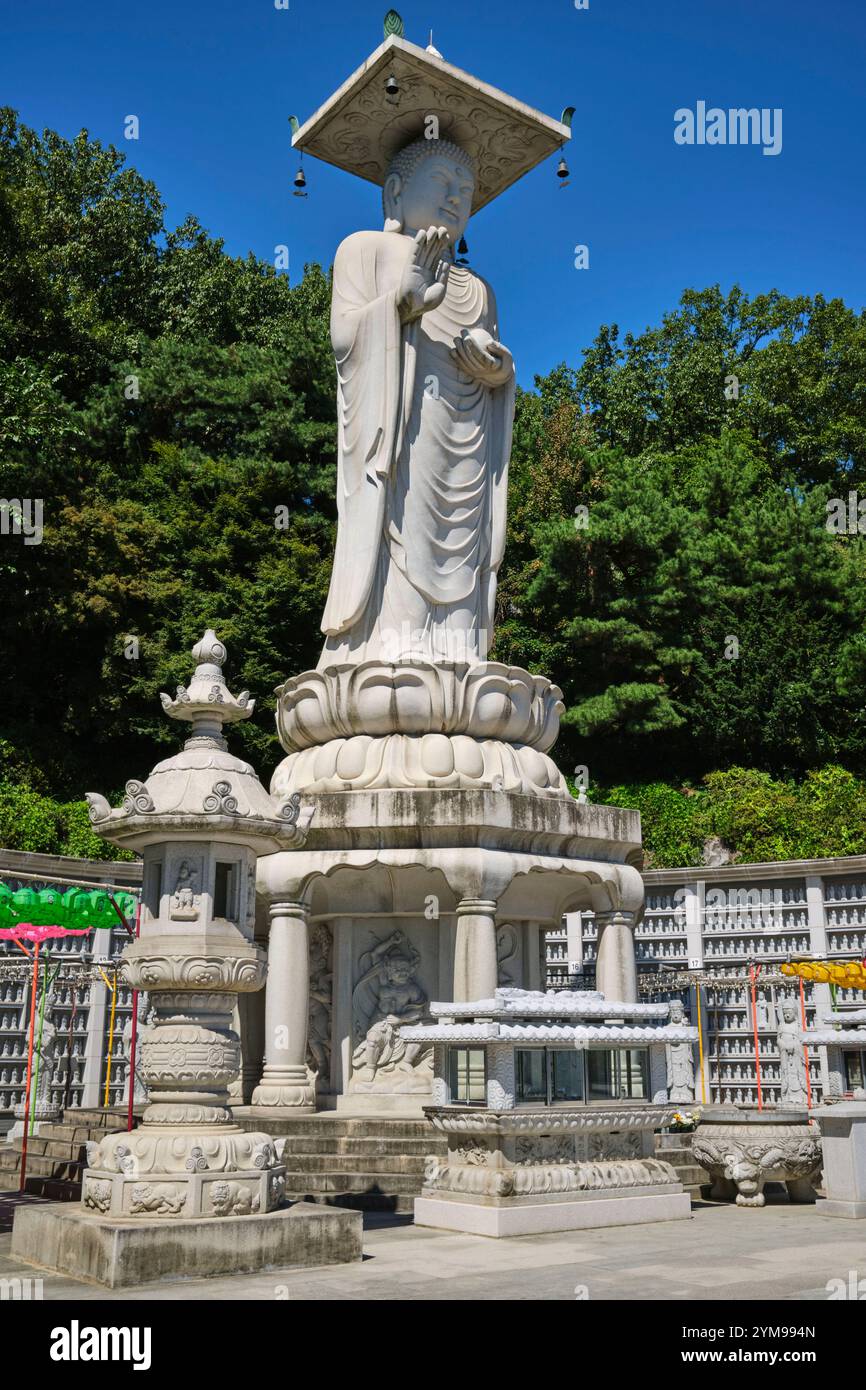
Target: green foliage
822,816
79,840
174,407
799,365
35,823
671,820
758,818
697,613
28,821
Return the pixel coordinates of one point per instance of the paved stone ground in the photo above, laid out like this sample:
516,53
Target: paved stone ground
724,1252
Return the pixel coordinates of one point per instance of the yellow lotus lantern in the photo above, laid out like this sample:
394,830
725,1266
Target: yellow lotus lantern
847,974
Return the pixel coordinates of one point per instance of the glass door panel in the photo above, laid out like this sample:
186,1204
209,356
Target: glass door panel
532,1075
568,1076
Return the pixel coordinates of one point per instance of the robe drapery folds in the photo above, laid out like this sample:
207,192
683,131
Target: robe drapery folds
422,468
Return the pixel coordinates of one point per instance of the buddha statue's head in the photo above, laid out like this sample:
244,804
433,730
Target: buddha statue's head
430,183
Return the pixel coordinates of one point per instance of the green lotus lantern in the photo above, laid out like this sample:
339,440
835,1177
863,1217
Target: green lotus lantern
74,908
49,908
100,913
24,904
7,911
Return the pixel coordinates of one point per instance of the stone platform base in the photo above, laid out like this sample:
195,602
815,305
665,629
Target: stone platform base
536,1218
408,1104
122,1253
835,1206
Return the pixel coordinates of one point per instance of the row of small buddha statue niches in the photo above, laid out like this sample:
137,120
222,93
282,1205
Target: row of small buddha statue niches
845,909
69,1044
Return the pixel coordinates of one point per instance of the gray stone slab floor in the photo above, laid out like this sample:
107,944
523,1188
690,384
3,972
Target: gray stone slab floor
724,1252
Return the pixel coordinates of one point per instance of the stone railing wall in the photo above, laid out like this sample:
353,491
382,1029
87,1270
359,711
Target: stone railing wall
714,922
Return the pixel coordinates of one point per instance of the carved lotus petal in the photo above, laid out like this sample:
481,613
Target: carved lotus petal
436,755
488,701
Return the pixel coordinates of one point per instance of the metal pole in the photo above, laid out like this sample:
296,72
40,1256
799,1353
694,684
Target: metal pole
133,1041
39,1041
98,884
754,976
67,1093
805,1045
123,920
701,1047
113,988
33,988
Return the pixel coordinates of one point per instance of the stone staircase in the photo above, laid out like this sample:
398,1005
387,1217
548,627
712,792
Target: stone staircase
57,1155
372,1163
676,1149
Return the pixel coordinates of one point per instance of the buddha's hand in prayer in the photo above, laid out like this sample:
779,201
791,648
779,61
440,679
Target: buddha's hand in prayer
425,278
483,359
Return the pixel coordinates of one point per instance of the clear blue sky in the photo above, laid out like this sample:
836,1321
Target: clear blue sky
213,82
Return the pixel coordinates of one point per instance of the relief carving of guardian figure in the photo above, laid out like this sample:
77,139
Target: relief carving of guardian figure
386,995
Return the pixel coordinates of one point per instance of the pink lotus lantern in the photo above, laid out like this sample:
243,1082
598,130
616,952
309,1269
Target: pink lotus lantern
26,931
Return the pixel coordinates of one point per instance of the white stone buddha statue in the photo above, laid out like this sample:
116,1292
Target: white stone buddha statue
425,403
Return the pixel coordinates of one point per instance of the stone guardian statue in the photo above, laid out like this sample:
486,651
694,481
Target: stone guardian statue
792,1062
680,1061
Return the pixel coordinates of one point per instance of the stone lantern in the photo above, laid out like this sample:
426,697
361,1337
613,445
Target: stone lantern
199,821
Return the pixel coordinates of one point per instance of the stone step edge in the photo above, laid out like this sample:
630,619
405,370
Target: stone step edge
401,1203
355,1163
299,1146
355,1182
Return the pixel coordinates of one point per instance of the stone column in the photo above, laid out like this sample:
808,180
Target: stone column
573,940
287,1080
534,973
475,964
251,1008
819,946
615,971
843,1141
694,905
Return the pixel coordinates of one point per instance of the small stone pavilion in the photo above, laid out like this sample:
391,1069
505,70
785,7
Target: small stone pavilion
549,1102
844,1036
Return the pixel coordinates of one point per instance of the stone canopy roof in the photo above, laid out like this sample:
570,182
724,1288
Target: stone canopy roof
577,1018
360,129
